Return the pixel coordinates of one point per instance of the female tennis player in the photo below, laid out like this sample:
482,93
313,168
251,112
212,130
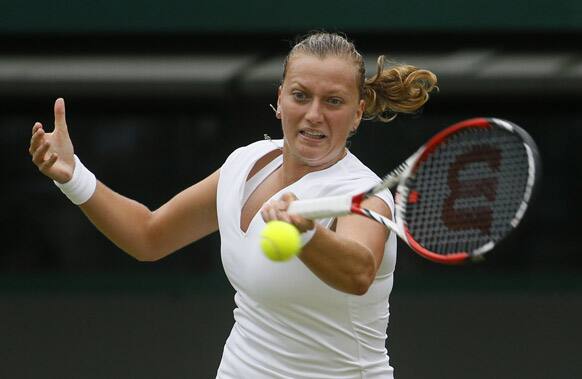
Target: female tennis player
323,314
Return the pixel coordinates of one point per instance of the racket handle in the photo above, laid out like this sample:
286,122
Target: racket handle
321,208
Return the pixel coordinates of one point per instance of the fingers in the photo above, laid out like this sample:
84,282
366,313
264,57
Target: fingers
36,126
37,138
277,210
274,210
38,156
288,197
60,121
303,224
46,165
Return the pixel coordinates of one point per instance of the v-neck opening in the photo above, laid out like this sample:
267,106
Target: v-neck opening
242,202
246,194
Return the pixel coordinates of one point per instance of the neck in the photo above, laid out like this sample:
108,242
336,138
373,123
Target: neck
294,169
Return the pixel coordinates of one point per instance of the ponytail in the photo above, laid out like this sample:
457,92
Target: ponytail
396,89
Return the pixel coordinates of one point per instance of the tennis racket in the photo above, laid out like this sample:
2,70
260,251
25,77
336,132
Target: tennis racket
457,196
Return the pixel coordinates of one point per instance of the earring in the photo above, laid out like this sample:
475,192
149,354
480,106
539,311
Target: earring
277,111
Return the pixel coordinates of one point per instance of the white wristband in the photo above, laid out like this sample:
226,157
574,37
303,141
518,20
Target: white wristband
81,186
307,236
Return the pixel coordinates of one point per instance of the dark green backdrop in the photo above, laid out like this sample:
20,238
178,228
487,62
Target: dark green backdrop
267,16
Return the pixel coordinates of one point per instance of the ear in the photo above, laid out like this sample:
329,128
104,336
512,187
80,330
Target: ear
278,111
359,115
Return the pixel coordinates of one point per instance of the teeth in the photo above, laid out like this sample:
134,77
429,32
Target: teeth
312,133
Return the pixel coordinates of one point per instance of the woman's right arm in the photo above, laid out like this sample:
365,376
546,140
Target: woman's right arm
144,234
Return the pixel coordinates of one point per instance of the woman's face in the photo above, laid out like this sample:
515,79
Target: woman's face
319,104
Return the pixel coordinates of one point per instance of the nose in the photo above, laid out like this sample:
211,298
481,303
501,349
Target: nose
314,114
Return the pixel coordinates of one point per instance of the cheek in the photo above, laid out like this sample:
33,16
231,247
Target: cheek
342,124
291,116
292,109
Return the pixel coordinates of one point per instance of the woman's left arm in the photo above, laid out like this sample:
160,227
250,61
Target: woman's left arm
348,258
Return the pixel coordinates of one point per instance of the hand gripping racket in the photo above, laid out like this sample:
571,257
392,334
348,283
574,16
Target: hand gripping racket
457,196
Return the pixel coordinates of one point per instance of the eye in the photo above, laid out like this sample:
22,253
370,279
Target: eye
335,101
299,96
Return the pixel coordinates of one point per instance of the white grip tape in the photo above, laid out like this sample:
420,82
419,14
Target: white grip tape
321,208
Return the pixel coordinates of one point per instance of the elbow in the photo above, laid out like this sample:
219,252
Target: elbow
361,287
362,283
147,254
150,248
145,257
360,278
364,279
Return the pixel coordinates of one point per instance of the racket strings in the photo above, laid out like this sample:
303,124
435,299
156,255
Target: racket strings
465,195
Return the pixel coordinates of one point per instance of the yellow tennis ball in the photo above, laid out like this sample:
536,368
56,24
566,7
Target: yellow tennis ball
280,241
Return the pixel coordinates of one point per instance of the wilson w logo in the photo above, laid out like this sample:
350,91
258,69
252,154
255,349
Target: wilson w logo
478,217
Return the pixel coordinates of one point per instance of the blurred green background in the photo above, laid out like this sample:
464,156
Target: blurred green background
158,94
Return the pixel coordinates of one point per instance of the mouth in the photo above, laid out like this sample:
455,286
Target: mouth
312,134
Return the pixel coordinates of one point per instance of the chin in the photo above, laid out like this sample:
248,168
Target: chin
313,153
316,156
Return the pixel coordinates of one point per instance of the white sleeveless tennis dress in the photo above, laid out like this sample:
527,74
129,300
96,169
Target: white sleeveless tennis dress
289,323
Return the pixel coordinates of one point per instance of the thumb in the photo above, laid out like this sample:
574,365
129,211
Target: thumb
60,122
289,197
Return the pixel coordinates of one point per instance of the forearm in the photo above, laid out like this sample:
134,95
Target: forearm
342,263
122,220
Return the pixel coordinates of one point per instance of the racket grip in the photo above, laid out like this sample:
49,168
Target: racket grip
322,207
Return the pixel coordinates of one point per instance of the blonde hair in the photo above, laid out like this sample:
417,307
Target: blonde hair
392,90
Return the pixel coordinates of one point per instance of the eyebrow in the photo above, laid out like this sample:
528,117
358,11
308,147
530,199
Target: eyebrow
334,91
